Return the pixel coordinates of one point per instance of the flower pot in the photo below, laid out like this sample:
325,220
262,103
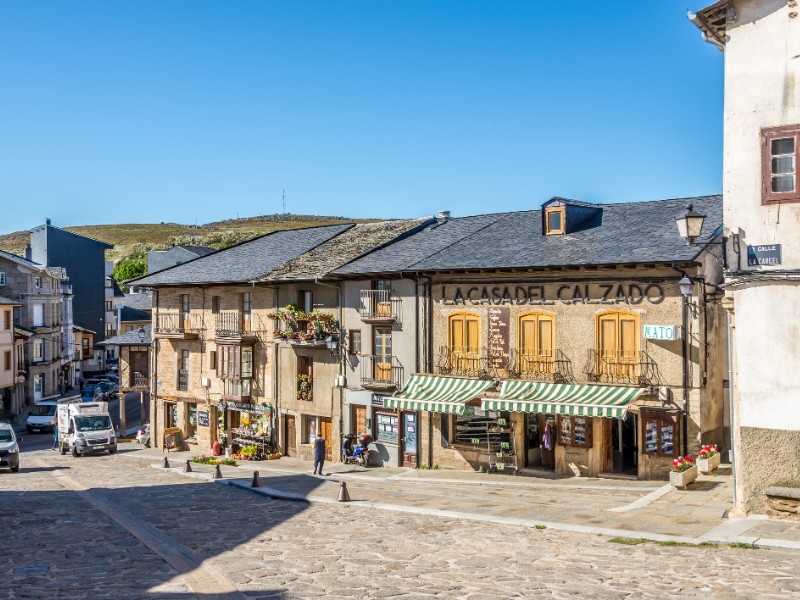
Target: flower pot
706,465
684,478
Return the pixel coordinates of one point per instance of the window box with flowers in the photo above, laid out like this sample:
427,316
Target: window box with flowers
709,458
305,387
684,472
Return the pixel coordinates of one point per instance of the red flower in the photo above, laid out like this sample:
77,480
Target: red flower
689,459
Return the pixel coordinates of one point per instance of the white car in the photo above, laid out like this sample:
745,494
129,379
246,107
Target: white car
143,435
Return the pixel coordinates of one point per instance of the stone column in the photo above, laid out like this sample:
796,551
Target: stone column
122,424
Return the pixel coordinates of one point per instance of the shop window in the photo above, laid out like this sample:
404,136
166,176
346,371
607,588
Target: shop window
171,411
387,427
311,428
780,153
575,431
475,429
354,341
463,342
536,344
191,425
660,432
617,346
234,366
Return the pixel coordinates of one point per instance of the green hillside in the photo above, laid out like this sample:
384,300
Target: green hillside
132,238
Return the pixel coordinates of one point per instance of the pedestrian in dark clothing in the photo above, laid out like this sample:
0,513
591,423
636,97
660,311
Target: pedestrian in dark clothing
81,382
55,437
319,455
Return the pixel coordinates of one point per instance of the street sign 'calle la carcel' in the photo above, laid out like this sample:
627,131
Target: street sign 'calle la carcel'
662,332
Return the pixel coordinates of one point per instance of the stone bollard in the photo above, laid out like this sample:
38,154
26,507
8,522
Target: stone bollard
188,467
256,480
166,463
217,473
344,496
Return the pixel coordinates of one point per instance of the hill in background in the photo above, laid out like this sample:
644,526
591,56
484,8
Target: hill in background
133,238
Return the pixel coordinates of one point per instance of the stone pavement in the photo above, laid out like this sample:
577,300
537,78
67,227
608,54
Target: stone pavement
616,507
109,527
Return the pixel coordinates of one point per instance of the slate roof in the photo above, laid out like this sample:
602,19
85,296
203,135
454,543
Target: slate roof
23,331
245,262
131,338
128,314
9,302
343,248
139,301
83,329
628,233
158,260
57,272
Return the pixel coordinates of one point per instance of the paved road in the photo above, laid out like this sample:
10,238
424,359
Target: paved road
113,527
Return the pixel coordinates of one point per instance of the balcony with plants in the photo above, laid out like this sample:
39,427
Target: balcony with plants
294,326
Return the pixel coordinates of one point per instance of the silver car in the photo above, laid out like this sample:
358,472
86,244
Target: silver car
9,448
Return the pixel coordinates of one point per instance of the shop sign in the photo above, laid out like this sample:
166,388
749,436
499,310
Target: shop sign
764,256
202,418
244,407
570,293
498,336
377,399
662,332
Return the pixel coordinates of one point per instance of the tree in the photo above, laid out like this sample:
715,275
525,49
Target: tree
128,268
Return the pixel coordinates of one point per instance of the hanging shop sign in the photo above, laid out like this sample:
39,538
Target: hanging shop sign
202,418
571,293
377,400
662,332
250,408
764,256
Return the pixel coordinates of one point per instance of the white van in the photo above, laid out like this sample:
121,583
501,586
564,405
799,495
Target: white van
42,416
85,427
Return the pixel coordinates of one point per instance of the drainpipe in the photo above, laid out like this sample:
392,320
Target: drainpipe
685,362
730,403
154,425
275,392
429,358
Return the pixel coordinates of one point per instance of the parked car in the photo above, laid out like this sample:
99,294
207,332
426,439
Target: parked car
109,387
113,377
9,448
92,393
112,364
143,435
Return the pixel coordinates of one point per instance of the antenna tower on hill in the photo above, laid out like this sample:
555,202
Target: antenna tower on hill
284,201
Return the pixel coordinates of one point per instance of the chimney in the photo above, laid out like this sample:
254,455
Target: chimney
47,221
28,252
443,216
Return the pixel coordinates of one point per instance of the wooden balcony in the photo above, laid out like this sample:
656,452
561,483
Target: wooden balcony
546,366
611,366
234,325
177,326
379,306
379,374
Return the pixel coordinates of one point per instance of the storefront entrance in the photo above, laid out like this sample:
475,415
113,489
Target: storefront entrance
541,440
409,441
290,436
621,446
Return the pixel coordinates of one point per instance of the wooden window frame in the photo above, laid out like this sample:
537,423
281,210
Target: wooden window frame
7,320
216,304
538,315
661,418
467,316
301,300
572,420
7,360
212,360
354,341
562,213
767,135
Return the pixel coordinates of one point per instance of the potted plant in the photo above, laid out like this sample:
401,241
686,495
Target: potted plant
684,472
305,387
279,335
709,458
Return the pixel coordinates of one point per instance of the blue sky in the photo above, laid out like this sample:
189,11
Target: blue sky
130,112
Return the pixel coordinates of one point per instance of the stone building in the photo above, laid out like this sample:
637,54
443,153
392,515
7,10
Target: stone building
761,43
551,339
8,364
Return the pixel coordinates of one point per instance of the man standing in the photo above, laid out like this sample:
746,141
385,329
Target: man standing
319,454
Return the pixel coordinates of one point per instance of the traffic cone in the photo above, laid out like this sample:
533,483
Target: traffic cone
344,496
217,473
256,480
166,463
188,467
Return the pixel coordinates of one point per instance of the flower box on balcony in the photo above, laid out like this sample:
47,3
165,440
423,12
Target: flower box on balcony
684,478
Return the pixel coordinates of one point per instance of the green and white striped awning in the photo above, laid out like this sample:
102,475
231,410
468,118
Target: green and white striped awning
437,394
563,399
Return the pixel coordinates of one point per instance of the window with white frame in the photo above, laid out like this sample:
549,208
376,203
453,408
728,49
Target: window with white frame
38,350
38,315
37,282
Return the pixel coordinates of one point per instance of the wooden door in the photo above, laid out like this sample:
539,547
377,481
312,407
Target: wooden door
326,431
409,439
382,341
617,345
246,311
358,419
185,321
464,343
549,445
290,436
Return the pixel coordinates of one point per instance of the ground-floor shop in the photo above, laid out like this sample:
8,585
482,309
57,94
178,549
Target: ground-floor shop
300,431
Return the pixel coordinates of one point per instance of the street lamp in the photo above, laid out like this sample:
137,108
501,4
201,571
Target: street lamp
690,224
685,285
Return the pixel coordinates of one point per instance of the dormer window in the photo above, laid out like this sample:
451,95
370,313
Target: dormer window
554,220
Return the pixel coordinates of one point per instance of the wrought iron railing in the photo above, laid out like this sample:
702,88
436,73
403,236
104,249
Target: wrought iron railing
616,366
377,371
183,380
472,362
234,323
172,323
545,365
380,305
140,379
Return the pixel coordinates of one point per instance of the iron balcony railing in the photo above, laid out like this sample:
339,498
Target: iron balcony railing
545,365
175,323
234,323
380,305
140,380
183,380
381,372
472,362
618,366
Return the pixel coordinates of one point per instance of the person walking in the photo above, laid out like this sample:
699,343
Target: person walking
319,455
55,437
